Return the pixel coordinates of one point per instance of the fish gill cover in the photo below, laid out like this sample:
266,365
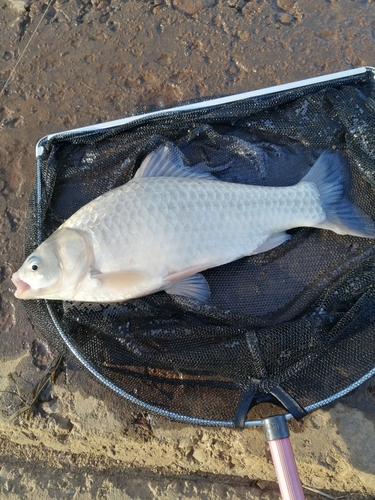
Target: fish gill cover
293,325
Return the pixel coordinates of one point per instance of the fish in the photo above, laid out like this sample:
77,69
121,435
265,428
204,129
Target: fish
163,228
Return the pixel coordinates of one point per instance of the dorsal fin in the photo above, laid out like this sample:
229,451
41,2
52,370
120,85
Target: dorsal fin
160,164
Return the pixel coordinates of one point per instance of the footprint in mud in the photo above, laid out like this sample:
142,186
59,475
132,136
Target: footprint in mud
41,354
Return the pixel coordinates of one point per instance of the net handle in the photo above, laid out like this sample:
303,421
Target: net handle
277,435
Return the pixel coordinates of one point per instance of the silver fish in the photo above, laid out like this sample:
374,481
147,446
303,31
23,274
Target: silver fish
166,225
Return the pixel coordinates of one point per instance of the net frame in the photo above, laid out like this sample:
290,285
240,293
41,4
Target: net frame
84,132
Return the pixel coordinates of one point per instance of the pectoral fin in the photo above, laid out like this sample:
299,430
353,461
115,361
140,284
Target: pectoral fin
119,281
195,287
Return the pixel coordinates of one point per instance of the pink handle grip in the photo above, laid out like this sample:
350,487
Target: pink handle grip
286,469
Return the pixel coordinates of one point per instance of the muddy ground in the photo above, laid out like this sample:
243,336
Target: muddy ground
94,61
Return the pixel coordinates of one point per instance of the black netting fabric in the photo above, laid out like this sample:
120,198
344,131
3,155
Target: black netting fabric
293,325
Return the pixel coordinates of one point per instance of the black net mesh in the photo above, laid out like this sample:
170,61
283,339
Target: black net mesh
294,324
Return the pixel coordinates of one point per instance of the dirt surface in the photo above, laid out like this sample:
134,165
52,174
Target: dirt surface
101,60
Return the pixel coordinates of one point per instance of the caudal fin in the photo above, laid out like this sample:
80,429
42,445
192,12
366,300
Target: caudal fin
342,216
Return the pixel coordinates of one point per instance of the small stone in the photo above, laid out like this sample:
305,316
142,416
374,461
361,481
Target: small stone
19,5
184,443
285,18
199,456
104,18
262,484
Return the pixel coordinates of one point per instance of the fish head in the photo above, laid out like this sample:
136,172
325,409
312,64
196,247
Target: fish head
39,271
54,269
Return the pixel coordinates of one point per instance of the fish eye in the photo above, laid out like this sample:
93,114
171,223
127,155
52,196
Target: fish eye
33,264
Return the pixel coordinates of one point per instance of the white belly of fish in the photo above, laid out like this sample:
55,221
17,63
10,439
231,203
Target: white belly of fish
166,227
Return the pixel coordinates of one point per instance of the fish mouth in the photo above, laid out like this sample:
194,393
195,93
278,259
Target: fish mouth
22,286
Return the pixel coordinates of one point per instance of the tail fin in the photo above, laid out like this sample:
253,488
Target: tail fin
342,216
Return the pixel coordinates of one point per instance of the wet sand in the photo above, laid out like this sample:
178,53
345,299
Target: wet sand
94,61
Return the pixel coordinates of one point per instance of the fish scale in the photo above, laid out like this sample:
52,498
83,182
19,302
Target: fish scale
191,221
